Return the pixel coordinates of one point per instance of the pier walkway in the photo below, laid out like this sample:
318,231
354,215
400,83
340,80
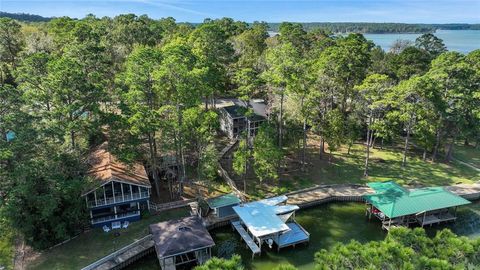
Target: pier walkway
248,240
352,192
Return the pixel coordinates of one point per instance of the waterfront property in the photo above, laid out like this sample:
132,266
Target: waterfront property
119,191
181,242
397,206
234,119
269,221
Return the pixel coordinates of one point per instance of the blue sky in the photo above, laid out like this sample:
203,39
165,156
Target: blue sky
407,11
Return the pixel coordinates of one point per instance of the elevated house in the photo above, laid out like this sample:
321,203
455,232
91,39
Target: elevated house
234,118
181,243
118,192
396,206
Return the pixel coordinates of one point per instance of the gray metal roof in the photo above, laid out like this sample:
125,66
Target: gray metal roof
236,107
180,236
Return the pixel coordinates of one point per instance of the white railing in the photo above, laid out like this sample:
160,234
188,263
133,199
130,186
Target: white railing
115,217
119,199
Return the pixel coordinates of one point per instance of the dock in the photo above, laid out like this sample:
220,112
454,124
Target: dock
246,238
124,256
304,198
296,235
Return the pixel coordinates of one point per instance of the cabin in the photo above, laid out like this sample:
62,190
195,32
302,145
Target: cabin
234,121
397,206
119,192
222,206
269,221
181,243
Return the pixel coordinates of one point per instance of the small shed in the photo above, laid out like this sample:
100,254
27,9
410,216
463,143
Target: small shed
222,206
181,242
397,206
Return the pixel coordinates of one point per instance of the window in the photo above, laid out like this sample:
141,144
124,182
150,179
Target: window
135,189
108,190
91,198
100,194
126,190
117,188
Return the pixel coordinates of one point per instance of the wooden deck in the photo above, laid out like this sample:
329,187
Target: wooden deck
246,237
296,235
435,219
124,256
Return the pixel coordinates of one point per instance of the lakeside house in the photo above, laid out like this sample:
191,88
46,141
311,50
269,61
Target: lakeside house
397,206
118,192
235,117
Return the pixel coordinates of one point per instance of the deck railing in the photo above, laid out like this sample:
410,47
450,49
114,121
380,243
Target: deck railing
115,217
119,199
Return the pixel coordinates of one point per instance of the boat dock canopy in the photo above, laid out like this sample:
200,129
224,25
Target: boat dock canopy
396,201
268,221
260,218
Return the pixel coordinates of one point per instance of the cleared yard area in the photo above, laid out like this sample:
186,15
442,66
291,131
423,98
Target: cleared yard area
469,154
95,244
385,164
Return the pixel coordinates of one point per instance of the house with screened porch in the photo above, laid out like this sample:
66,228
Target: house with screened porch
119,191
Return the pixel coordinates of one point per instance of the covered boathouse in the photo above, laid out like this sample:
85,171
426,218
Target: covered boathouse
396,206
181,242
118,191
269,221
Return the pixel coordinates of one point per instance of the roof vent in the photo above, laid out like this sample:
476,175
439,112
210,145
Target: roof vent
184,229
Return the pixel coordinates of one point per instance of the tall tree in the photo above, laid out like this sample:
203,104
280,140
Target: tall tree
457,83
176,82
409,100
11,43
430,43
282,74
214,53
143,101
372,92
345,64
266,154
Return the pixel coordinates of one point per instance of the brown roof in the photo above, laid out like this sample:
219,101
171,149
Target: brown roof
105,167
180,236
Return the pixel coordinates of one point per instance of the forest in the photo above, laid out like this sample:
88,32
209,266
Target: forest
149,87
334,27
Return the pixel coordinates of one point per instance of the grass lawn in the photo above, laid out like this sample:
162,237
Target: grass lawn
348,168
95,244
468,154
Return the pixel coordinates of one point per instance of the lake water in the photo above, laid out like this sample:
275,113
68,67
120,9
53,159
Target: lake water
327,224
463,41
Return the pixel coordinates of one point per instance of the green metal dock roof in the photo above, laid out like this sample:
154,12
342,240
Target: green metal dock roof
224,200
396,201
